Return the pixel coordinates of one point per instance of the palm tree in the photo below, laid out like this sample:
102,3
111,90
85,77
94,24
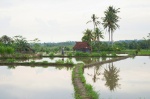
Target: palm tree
98,34
94,20
88,36
110,21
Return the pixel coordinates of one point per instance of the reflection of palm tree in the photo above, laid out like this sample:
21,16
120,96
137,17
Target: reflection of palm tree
96,73
111,76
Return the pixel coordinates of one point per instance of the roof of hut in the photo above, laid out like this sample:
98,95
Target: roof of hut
81,45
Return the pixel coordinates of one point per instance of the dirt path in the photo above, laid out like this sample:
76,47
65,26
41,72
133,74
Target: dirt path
79,85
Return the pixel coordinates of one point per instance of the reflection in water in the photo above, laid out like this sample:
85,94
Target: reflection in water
63,67
134,82
33,66
89,60
103,58
111,76
11,67
86,60
96,73
35,83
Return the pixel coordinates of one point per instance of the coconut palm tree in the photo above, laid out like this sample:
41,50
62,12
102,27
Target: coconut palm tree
110,21
94,20
98,34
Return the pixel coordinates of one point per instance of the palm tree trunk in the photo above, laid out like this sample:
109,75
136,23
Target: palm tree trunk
111,39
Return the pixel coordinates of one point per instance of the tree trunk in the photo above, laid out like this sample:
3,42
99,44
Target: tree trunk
111,39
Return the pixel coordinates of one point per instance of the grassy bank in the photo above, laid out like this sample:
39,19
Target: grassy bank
82,89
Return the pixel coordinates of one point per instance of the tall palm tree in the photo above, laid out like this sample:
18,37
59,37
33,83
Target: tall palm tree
110,21
94,20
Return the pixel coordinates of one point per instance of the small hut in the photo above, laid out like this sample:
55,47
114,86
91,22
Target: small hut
82,47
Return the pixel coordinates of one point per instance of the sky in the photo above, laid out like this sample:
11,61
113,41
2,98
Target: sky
65,20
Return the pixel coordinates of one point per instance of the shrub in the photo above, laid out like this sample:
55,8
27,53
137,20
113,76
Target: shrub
113,54
95,54
81,54
51,54
32,62
59,61
10,60
103,54
45,62
69,61
9,50
69,54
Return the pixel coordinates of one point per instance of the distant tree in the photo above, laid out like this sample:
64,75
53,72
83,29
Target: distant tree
35,44
88,36
22,45
147,41
110,21
6,40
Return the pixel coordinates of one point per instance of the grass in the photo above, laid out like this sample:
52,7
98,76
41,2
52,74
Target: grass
144,52
10,60
69,61
89,89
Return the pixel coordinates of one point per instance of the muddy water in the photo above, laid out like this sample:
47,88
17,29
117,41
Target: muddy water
125,79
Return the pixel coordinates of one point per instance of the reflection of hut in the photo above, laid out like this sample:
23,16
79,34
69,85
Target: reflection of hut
82,46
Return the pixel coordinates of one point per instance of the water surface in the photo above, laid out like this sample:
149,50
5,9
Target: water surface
125,79
35,83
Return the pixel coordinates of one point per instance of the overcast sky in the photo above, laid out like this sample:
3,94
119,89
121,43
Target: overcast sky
65,20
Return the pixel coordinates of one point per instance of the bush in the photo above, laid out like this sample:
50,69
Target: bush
69,54
10,60
32,62
9,50
95,54
103,54
69,61
113,54
45,62
81,54
59,61
51,54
